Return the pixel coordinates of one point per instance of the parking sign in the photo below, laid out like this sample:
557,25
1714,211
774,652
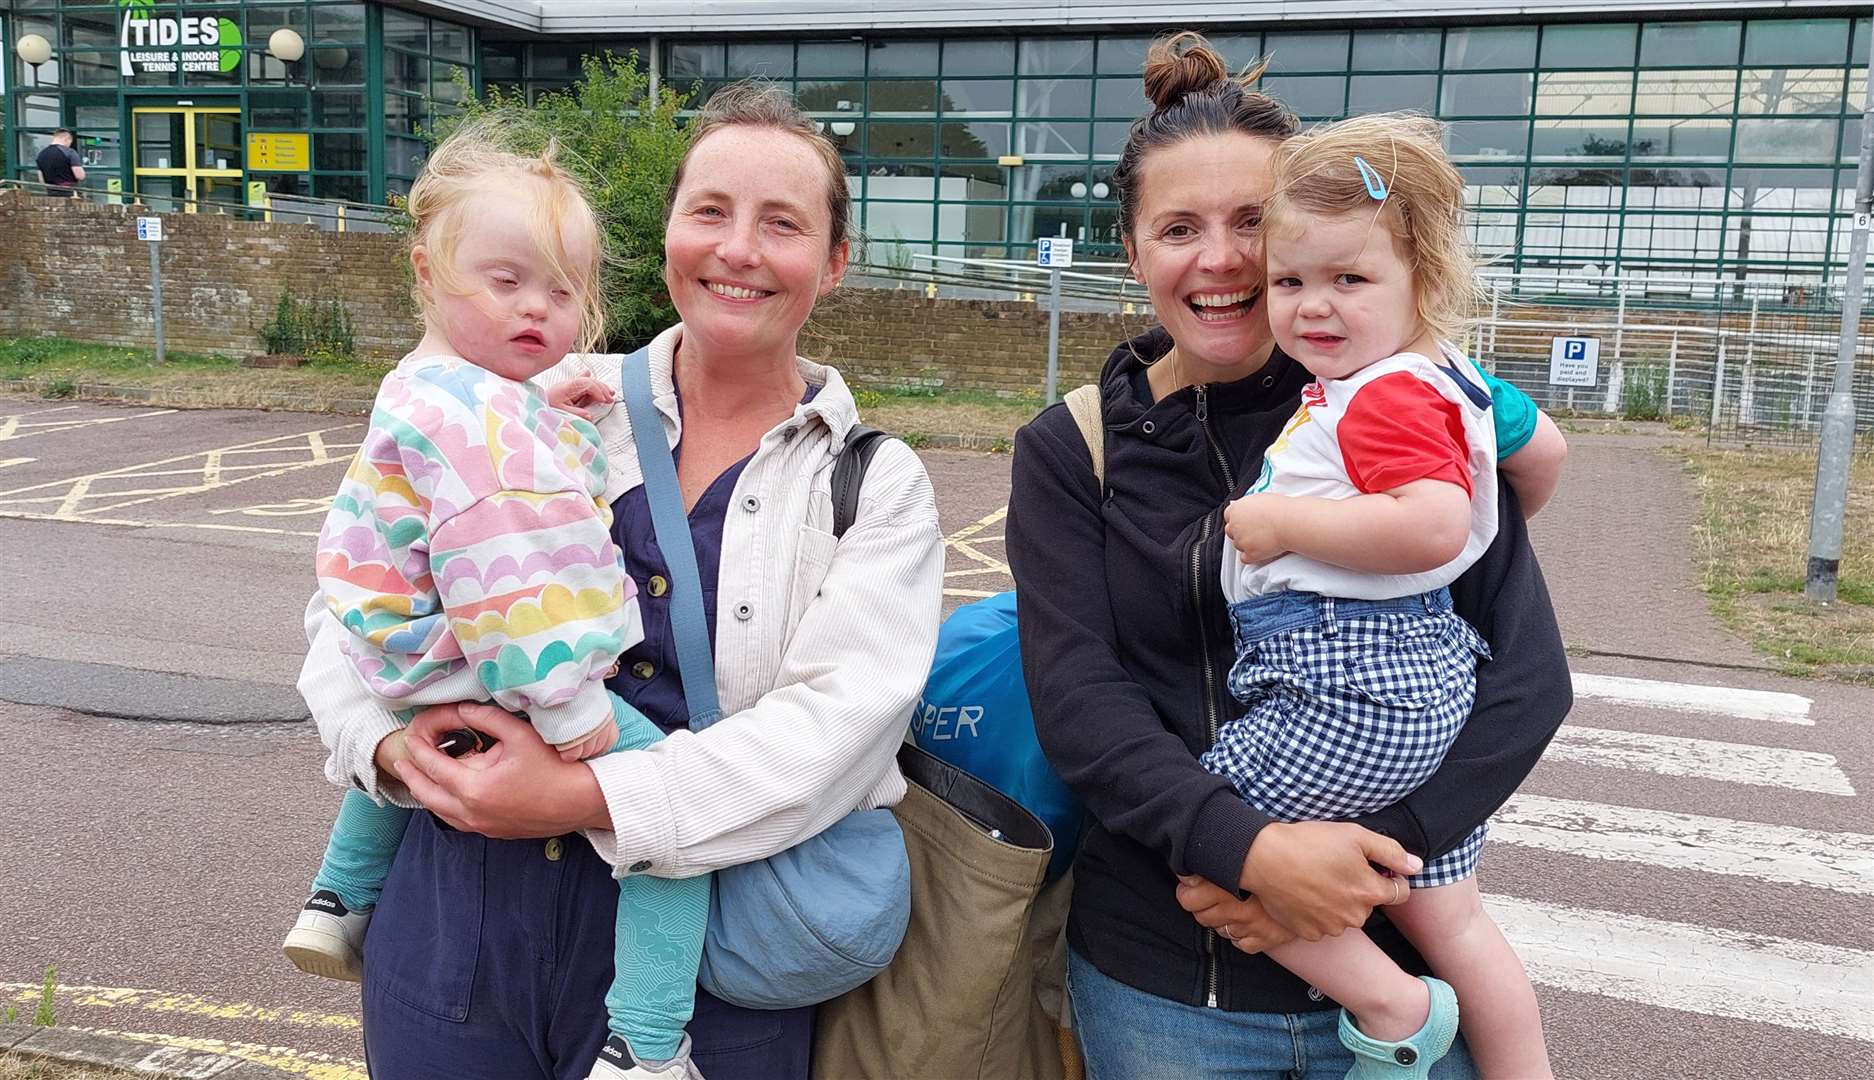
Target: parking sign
1054,251
1573,361
150,229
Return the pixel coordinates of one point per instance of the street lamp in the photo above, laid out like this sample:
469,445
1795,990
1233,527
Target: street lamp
34,50
286,45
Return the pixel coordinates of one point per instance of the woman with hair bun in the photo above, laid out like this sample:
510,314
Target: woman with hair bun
1180,884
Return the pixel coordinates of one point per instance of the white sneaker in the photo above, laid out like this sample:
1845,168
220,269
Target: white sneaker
617,1062
327,939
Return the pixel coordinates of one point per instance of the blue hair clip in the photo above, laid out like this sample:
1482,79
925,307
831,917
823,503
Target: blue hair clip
1374,185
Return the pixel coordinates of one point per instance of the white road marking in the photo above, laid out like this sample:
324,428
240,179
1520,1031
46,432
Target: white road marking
1742,976
1696,698
1731,763
1842,862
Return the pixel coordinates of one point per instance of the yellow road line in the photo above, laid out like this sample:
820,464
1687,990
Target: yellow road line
11,427
184,1004
127,524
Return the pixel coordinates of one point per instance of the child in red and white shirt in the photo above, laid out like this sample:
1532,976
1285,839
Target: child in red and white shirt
1380,491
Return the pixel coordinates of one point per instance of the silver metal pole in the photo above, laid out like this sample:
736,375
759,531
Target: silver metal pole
1672,372
1054,331
156,297
655,68
1837,441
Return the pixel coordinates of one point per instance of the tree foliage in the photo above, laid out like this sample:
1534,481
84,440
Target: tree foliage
624,145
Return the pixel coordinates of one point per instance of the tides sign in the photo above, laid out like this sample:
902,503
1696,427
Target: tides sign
167,43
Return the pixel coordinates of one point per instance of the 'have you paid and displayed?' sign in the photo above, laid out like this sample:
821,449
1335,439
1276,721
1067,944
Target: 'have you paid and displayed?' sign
167,43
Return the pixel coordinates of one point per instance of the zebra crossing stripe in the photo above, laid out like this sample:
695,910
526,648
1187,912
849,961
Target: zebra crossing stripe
1695,698
1703,759
1742,976
1841,862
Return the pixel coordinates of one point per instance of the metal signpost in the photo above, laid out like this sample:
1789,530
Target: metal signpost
1056,253
150,231
1838,417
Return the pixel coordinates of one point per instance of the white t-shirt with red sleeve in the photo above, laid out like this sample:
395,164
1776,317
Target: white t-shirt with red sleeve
1401,419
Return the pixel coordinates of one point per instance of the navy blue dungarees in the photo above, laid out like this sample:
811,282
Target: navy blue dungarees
490,959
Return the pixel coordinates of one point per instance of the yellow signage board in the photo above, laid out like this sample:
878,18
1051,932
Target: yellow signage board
276,151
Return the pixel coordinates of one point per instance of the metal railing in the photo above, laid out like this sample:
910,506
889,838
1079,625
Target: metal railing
330,215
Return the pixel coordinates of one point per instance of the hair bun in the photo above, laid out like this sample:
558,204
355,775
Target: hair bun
1179,65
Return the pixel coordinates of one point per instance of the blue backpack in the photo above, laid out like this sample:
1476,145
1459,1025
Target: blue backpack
975,715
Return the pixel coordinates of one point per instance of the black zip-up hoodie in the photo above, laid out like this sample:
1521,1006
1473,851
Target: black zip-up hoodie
1126,642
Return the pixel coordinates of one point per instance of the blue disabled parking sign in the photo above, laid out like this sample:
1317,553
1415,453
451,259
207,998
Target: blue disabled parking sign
1573,361
1054,251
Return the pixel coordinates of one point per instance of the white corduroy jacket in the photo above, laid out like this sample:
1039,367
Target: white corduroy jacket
822,648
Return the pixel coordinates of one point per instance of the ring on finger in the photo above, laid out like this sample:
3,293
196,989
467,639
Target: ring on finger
1224,932
1399,891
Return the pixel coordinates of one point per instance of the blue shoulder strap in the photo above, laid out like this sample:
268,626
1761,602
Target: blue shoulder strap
696,664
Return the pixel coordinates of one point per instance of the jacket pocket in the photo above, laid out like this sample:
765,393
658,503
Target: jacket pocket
813,555
425,937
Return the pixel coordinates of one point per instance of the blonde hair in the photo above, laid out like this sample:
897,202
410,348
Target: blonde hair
1318,172
758,104
483,155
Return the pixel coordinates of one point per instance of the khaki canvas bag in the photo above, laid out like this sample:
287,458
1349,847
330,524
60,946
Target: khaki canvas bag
978,989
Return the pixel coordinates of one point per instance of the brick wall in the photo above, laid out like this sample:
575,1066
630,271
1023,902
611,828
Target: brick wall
77,270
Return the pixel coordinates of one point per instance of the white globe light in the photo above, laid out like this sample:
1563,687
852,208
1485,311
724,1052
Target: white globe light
33,49
331,59
286,44
843,128
1078,191
1101,191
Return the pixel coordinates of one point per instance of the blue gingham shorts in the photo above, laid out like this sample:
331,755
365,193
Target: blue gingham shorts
1351,705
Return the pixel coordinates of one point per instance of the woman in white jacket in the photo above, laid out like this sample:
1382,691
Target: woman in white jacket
821,648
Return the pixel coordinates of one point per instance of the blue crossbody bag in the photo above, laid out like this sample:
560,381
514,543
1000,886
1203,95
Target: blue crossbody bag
819,919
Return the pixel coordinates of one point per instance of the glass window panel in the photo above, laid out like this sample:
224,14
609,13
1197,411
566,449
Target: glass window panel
975,140
212,78
1057,139
1028,222
974,224
1696,140
689,60
263,21
277,110
1791,91
1054,97
1396,50
337,152
1604,140
1238,50
349,188
146,77
448,82
1686,43
1857,90
901,57
1850,140
1676,189
1796,41
1317,97
403,157
991,56
1493,185
1485,95
338,66
402,31
404,114
847,136
343,23
404,71
1123,55
764,59
986,97
1785,139
1603,45
89,68
1491,47
1783,189
335,110
449,41
1103,186
1696,93
1306,52
1050,183
1109,140
1584,93
90,30
1057,56
1120,97
553,60
1578,187
982,176
502,60
1858,51
1488,138
900,97
263,69
841,96
1383,93
902,140
822,58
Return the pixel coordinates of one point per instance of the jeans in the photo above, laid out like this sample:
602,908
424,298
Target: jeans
1128,1034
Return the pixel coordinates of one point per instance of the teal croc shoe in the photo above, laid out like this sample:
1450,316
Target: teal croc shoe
1411,1058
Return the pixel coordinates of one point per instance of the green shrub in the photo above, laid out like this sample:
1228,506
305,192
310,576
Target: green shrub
27,351
308,328
60,388
1643,392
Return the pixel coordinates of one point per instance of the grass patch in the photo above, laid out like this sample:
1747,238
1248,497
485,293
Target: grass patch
63,368
922,413
18,1067
1752,550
